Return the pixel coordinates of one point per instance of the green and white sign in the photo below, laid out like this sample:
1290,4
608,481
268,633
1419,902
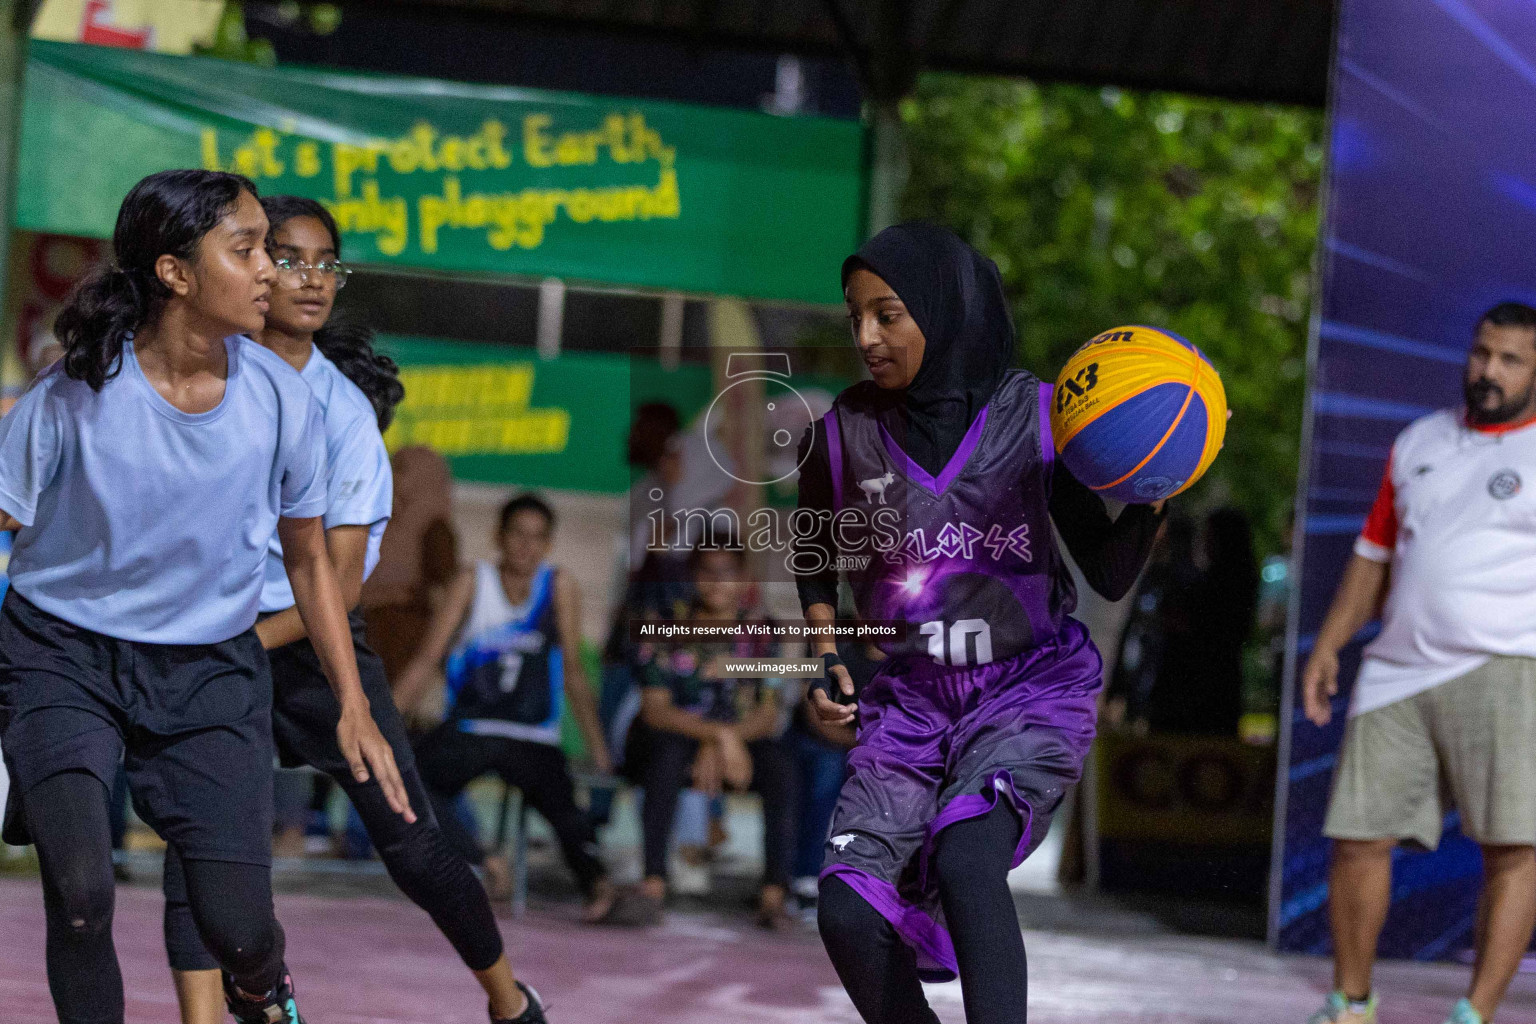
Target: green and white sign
439,175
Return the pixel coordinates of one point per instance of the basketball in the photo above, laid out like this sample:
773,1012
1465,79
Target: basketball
1138,414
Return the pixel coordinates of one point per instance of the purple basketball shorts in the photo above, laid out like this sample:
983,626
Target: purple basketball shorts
939,745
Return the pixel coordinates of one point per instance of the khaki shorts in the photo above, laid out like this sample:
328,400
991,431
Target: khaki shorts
1469,744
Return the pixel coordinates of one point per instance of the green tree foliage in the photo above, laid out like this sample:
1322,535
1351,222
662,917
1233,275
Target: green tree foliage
1104,207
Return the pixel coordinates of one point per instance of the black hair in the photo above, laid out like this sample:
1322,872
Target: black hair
343,340
164,214
716,540
653,427
526,502
1510,314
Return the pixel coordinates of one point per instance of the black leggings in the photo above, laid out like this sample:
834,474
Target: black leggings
418,857
665,759
450,759
231,903
971,861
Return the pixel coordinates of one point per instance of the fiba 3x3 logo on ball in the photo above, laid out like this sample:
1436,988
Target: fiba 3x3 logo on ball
1138,414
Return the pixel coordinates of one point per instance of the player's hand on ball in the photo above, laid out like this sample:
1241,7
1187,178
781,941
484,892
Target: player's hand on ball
369,755
1319,684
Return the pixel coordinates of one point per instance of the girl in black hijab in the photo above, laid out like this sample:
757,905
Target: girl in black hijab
978,720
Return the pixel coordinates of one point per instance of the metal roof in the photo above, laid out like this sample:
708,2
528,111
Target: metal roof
1273,50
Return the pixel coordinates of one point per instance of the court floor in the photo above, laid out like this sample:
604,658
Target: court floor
375,959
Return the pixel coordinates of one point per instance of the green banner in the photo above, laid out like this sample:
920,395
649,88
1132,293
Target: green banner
503,415
445,176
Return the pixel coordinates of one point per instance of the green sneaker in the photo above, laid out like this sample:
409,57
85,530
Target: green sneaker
1464,1013
1336,1011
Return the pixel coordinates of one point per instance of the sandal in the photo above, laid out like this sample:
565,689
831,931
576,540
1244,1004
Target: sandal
632,910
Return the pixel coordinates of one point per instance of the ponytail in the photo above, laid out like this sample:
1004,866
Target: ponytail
101,314
349,345
165,214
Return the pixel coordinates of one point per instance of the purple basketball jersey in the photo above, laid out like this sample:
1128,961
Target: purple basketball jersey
966,558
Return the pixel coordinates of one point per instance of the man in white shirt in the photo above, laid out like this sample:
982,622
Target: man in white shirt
1445,703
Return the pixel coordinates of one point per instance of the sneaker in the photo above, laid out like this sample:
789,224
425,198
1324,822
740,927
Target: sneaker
1464,1013
534,1014
278,1006
1336,1011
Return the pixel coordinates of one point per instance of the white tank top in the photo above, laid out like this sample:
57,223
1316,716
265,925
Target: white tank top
506,672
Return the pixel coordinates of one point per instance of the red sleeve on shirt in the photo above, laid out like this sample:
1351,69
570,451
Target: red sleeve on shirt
1381,524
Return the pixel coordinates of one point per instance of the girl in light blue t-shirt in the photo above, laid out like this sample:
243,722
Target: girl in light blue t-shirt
145,474
357,390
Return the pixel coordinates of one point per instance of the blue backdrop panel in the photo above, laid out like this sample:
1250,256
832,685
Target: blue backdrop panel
1431,219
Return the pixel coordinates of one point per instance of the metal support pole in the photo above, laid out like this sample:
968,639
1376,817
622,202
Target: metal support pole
673,305
551,317
888,165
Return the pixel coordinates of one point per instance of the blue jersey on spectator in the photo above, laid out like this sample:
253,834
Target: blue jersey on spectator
506,676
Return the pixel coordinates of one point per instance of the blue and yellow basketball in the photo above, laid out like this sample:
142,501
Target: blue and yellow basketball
1138,414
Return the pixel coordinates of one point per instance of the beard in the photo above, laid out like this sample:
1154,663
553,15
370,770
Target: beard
1481,392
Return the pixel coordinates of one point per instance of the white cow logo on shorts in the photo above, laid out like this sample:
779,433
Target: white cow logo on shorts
840,842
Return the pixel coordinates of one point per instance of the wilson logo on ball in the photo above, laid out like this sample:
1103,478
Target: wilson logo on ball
1139,414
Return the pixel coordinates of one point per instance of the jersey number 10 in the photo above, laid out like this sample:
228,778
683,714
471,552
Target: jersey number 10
959,648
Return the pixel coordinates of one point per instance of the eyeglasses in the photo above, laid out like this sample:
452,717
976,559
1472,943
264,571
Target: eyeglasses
295,273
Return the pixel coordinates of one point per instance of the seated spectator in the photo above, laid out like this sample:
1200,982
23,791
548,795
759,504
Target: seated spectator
718,732
516,635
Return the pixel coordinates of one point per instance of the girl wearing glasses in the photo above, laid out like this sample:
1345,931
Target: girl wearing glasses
357,390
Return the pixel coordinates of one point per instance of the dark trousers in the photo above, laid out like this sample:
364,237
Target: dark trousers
819,771
449,760
664,769
418,856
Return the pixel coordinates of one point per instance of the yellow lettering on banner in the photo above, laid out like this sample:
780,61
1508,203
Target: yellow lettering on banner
210,154
518,386
425,136
347,160
388,220
613,127
265,141
403,157
626,140
477,410
536,143
648,140
256,158
495,134
306,159
520,218
536,432
576,148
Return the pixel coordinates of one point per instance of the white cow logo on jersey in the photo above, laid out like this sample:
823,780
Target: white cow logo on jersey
1504,484
876,485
